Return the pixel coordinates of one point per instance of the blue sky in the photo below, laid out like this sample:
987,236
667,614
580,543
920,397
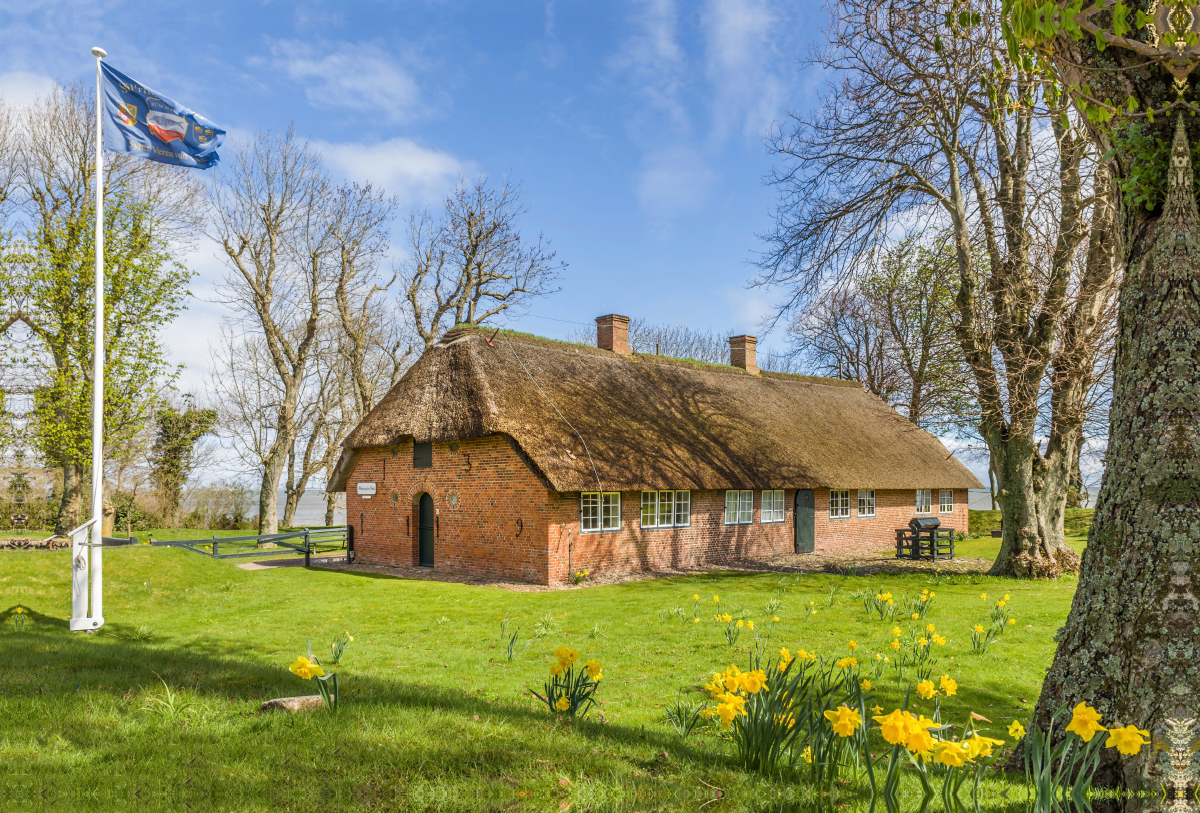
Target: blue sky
636,127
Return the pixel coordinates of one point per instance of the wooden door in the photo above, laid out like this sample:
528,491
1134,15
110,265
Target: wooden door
806,532
425,526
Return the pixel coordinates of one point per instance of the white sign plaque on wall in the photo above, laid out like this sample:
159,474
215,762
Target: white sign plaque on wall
366,489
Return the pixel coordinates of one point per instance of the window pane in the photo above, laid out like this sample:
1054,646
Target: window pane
731,507
666,508
946,501
589,511
649,508
866,503
746,507
612,511
683,508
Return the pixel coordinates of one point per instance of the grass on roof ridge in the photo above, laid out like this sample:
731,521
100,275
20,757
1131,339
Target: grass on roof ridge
836,382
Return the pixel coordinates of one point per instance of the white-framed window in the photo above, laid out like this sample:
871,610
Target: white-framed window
772,506
946,501
739,507
866,502
839,504
599,512
666,509
923,501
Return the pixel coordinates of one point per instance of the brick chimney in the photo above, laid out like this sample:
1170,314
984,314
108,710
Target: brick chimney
741,353
612,333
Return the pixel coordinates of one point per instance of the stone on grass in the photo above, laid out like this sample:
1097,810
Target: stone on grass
295,705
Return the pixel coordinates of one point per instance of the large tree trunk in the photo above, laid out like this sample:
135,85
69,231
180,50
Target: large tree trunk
268,498
68,506
1130,642
1033,491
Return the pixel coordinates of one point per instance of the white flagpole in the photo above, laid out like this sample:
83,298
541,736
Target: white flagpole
96,617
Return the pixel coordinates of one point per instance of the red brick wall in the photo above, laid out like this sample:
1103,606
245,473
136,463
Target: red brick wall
632,548
495,517
480,491
893,509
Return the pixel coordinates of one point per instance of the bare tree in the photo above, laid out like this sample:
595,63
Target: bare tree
471,263
273,218
907,129
842,336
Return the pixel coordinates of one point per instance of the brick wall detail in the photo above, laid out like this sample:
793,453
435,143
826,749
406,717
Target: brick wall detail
496,518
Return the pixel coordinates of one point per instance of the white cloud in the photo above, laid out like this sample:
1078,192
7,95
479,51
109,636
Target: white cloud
743,61
21,88
674,180
359,76
401,167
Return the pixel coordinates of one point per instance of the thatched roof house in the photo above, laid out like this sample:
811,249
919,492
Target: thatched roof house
590,419
650,421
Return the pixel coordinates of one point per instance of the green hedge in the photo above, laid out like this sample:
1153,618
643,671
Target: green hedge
1076,522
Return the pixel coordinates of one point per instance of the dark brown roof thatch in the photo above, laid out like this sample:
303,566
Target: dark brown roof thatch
651,422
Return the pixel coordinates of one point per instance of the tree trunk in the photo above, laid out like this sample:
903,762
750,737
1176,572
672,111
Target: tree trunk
992,480
1075,498
68,505
1032,495
330,497
1130,641
268,498
289,490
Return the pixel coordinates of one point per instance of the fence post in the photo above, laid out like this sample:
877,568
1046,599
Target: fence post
307,547
349,544
214,544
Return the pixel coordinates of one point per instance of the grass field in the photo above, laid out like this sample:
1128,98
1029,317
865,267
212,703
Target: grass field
158,711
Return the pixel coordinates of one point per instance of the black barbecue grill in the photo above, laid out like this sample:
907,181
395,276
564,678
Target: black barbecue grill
925,538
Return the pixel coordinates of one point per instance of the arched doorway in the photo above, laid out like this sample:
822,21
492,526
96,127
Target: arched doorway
425,528
806,532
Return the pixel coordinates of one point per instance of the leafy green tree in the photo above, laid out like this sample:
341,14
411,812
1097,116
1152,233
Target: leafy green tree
144,291
173,456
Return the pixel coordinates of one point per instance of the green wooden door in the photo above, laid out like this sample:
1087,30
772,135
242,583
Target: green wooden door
805,521
425,525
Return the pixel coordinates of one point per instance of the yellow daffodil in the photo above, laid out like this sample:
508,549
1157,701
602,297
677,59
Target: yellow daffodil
695,620
775,619
952,754
918,739
20,610
306,669
895,644
563,704
1012,620
717,599
741,623
866,685
750,625
924,598
807,755
915,616
999,603
892,727
983,596
556,669
979,746
593,669
349,637
754,681
890,602
939,640
844,720
1128,740
922,642
876,709
1016,730
896,631
929,628
785,658
926,690
695,596
979,628
1007,597
1085,721
932,594
852,646
949,685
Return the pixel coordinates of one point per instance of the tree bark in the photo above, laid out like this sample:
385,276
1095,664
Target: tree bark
68,506
1130,641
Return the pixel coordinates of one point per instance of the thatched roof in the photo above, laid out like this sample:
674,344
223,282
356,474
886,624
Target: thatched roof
652,422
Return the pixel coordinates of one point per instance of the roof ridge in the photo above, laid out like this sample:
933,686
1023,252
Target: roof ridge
460,332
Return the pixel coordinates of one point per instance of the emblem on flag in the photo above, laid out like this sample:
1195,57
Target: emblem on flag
169,132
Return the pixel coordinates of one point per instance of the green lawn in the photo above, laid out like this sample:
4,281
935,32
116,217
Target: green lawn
434,716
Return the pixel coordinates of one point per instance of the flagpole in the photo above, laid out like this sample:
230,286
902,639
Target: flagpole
96,615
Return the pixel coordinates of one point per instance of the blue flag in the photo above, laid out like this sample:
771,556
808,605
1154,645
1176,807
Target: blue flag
147,124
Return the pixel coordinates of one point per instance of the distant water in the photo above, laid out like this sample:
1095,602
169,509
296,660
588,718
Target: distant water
311,510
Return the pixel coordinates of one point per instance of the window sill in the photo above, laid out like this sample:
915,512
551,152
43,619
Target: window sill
847,516
738,524
866,516
772,521
663,527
